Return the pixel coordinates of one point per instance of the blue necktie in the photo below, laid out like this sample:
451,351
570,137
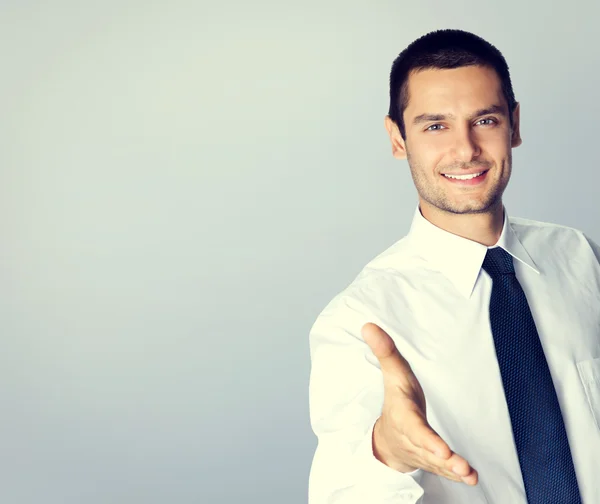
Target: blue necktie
538,428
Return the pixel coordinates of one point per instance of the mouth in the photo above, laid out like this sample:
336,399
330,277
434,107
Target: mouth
468,180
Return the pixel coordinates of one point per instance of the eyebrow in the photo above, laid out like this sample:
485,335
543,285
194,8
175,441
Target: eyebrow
493,109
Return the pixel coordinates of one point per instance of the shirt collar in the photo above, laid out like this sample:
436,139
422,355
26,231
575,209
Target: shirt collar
458,258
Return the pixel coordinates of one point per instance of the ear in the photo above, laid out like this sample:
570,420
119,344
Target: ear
398,144
516,129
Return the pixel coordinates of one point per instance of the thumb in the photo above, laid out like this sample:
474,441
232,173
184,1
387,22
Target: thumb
384,348
396,370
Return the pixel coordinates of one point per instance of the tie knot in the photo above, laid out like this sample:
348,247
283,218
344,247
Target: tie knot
498,262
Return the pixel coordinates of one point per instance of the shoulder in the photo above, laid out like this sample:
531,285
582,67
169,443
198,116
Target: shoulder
361,297
536,226
558,236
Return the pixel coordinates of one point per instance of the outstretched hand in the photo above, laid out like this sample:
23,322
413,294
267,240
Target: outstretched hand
402,437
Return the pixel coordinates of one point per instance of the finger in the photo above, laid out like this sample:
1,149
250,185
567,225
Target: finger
460,468
430,463
428,444
384,348
423,436
456,468
472,479
459,465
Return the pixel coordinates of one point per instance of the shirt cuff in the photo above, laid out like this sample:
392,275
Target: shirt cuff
378,479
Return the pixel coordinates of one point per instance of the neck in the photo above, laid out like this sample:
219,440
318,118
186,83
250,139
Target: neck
484,228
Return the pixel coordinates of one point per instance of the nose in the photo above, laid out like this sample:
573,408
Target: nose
466,147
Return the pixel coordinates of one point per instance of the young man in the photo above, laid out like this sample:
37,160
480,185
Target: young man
462,365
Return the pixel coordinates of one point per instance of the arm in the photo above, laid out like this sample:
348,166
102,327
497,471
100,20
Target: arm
346,397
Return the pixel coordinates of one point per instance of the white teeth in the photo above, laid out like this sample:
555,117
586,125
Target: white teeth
463,177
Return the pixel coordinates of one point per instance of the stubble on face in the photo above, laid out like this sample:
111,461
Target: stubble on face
437,192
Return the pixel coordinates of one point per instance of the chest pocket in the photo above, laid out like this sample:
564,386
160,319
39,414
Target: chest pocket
589,373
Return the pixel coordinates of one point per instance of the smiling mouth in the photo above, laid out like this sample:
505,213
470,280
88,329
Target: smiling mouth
473,179
464,177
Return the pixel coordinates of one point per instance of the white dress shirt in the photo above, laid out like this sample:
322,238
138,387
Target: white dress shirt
430,294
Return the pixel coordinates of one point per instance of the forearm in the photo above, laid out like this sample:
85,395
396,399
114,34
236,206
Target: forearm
346,472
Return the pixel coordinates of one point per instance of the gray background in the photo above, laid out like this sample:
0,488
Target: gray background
184,186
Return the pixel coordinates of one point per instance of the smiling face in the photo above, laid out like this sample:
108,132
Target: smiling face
457,122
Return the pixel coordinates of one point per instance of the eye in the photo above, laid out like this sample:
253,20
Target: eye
493,121
432,126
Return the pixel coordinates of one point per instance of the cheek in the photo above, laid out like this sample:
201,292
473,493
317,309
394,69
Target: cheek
497,147
435,145
437,152
426,157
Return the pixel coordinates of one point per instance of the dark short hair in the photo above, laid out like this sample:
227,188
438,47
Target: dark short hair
444,49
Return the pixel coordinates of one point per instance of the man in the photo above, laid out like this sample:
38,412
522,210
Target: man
462,365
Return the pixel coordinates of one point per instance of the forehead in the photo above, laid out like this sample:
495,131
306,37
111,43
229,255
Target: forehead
460,90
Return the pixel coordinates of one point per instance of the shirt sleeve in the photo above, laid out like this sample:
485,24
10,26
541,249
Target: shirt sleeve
346,398
595,247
